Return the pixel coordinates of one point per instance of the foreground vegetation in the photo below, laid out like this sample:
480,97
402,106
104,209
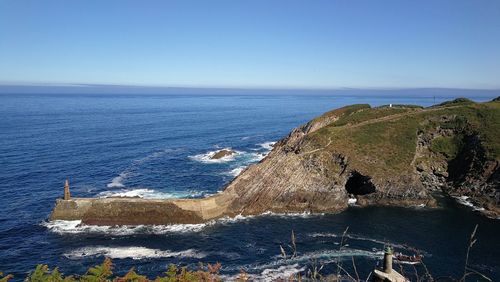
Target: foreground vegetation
104,273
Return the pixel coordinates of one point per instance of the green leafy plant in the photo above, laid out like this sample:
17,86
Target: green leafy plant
99,273
6,277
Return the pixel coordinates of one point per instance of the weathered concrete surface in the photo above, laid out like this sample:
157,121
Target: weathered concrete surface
137,211
73,209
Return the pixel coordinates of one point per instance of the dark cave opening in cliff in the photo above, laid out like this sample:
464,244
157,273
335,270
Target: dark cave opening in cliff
358,184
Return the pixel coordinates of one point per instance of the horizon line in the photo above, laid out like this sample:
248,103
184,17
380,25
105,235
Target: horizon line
214,87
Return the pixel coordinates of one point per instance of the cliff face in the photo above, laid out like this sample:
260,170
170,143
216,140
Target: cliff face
393,155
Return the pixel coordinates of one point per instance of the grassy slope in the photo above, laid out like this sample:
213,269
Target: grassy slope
347,110
382,140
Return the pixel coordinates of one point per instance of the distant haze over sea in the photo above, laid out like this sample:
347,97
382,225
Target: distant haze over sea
164,90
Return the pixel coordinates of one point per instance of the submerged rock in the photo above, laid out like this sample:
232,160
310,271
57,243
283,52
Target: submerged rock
379,156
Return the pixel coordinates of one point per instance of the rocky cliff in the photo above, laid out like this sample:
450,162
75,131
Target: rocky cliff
390,155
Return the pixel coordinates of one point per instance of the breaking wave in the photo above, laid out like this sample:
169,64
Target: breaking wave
151,194
236,171
305,214
117,182
361,238
135,253
269,274
283,268
464,200
243,159
77,227
267,145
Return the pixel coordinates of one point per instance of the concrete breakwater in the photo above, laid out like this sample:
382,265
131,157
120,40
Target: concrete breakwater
138,211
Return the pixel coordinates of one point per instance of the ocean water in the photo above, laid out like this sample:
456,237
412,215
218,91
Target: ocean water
156,146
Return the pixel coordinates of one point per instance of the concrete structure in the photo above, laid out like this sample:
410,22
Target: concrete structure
388,274
67,194
388,260
138,211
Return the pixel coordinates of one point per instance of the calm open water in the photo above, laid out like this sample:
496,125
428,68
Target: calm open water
156,146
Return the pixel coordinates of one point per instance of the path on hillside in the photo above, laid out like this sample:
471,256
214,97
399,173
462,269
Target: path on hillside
380,119
395,116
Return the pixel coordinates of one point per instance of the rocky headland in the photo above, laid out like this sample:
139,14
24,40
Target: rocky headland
389,155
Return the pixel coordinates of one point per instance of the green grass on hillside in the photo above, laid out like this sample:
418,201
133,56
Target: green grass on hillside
347,110
369,114
448,146
456,102
392,142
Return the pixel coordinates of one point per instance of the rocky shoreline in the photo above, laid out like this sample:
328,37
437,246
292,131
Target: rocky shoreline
394,155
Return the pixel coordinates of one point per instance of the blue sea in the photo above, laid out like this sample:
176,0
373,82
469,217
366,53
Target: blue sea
156,146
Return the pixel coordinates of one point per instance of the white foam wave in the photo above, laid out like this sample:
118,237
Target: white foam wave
268,274
236,171
76,226
207,157
305,214
150,194
275,274
345,253
361,238
257,157
240,159
130,252
117,182
464,200
243,160
267,145
279,267
352,201
62,226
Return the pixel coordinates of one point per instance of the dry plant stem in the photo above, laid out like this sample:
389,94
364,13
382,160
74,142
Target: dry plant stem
478,273
468,270
347,273
294,245
340,249
369,275
283,253
471,243
416,273
355,269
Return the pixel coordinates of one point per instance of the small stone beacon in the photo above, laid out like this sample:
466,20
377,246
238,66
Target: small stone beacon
67,195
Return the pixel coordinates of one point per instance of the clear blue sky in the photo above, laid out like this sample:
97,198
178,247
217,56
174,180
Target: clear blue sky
253,43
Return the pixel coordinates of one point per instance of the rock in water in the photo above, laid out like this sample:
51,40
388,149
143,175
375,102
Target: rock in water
222,153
